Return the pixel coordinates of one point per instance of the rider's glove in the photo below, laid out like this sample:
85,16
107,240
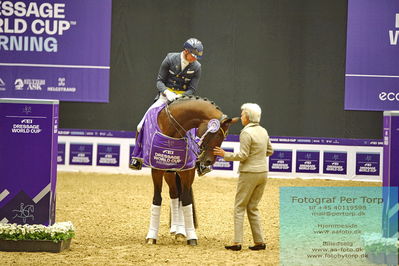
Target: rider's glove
170,95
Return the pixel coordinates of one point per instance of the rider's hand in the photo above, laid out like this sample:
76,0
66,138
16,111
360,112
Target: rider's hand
170,95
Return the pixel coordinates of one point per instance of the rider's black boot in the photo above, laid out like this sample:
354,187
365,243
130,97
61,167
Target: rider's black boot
135,164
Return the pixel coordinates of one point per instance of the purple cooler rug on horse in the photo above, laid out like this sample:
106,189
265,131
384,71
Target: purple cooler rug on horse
163,152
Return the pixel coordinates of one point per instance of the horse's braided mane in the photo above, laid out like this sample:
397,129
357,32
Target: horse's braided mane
194,97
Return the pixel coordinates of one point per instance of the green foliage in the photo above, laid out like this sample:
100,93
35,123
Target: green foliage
56,232
374,243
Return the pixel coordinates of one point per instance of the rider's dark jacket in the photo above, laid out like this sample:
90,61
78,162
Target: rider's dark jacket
170,75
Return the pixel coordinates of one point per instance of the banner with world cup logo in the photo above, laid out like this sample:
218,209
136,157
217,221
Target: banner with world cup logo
372,55
55,49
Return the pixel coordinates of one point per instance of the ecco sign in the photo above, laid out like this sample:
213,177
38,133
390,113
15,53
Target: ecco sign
389,96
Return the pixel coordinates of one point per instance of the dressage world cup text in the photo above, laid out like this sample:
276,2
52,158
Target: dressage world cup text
32,26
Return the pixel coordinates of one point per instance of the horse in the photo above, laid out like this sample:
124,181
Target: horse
176,120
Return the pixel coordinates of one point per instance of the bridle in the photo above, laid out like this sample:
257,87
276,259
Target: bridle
201,147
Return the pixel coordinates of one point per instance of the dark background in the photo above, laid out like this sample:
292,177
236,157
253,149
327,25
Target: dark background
286,55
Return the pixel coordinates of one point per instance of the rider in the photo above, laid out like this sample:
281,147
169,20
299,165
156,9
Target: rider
179,74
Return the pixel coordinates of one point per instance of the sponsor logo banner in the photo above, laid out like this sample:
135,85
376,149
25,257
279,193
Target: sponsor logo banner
372,55
326,141
108,154
55,49
335,162
96,133
61,153
367,163
81,154
281,161
307,161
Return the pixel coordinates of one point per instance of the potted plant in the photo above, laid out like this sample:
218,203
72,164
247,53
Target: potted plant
36,237
379,249
391,251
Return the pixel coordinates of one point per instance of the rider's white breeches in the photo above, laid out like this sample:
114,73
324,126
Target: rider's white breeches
162,99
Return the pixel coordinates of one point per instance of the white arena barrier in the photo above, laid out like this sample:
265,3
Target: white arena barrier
294,157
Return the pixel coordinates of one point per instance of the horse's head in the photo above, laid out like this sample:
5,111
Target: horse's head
212,138
189,112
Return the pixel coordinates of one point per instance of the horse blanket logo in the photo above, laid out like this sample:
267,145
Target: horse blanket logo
163,152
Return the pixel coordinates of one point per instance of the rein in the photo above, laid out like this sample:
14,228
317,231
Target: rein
174,121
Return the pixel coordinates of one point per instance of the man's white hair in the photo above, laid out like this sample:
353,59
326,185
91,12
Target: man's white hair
253,112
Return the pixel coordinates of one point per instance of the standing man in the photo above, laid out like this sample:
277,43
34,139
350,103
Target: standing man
179,74
254,147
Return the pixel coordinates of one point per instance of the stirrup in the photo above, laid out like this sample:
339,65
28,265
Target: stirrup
202,170
135,164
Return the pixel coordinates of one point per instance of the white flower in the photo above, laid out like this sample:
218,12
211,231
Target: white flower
374,240
28,231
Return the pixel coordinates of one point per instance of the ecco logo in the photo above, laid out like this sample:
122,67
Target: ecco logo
389,96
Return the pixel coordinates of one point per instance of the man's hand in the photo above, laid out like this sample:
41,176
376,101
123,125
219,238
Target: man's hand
170,95
218,151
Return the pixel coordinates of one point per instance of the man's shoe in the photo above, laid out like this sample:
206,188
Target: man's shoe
258,247
233,247
135,164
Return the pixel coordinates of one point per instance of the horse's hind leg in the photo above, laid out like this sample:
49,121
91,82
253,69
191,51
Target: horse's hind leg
152,234
187,178
177,218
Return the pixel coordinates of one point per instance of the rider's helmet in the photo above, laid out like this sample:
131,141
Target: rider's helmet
195,47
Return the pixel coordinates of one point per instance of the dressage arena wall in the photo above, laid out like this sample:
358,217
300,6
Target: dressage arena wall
287,56
294,157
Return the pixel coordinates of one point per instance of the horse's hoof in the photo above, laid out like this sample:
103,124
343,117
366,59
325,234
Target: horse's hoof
180,237
192,242
172,233
150,241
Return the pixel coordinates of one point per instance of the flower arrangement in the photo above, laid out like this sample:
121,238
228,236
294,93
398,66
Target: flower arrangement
375,243
56,232
381,250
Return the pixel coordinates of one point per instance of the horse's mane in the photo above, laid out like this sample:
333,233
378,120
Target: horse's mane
195,98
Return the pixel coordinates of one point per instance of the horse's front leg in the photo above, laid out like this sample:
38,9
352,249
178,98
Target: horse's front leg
177,218
187,179
152,234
